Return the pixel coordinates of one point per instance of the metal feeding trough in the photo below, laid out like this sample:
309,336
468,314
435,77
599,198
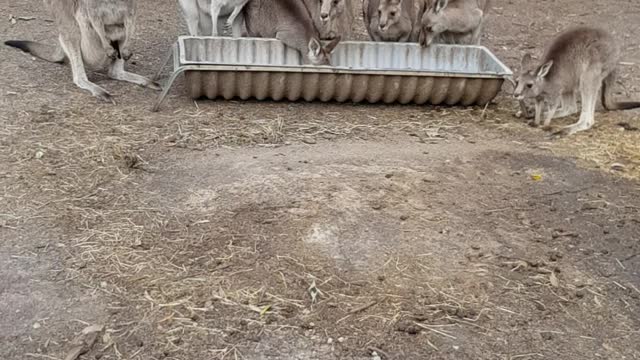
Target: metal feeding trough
260,68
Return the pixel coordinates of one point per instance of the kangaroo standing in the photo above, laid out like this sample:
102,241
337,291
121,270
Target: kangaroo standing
393,20
94,33
202,16
453,22
290,22
580,60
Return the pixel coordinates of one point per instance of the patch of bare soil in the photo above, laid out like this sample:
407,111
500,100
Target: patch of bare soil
264,230
451,251
448,251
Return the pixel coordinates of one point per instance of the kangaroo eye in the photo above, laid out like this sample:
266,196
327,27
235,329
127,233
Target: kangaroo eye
529,86
393,13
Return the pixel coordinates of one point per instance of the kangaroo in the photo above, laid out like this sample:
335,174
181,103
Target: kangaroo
95,33
290,22
393,20
578,60
453,22
202,16
332,17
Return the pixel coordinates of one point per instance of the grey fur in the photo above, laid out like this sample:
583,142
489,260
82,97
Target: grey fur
578,61
202,16
453,22
332,17
290,22
393,20
94,34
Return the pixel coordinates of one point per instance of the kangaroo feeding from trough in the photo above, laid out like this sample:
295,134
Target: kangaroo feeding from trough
92,33
290,22
392,20
453,22
202,16
580,60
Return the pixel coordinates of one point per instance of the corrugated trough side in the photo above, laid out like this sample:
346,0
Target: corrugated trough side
361,71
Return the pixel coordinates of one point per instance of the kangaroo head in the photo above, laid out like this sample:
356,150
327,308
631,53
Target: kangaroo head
321,55
531,80
329,9
434,21
389,13
330,13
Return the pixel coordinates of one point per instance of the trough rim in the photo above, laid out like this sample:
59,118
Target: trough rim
306,68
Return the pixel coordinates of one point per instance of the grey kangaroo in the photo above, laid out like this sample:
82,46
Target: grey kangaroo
332,17
92,33
393,20
579,60
453,22
290,22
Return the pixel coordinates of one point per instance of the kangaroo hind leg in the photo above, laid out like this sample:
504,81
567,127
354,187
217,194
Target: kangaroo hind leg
71,45
589,86
216,7
117,72
228,25
191,15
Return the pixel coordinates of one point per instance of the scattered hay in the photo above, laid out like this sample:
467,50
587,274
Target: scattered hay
608,147
183,281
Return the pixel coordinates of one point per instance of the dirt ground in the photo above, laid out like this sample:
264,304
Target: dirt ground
262,230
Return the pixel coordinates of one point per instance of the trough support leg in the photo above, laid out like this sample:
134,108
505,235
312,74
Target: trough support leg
166,88
164,65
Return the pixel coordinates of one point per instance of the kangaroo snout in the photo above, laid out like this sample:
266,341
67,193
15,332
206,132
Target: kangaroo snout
517,94
324,17
383,25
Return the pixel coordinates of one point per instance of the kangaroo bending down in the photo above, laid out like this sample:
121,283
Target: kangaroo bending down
578,60
202,16
393,20
290,22
453,22
332,18
92,33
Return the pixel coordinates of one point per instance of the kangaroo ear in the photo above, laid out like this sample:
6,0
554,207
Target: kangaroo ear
315,46
331,45
526,62
441,4
544,69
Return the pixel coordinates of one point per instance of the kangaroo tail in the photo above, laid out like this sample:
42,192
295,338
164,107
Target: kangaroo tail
608,103
624,105
42,51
